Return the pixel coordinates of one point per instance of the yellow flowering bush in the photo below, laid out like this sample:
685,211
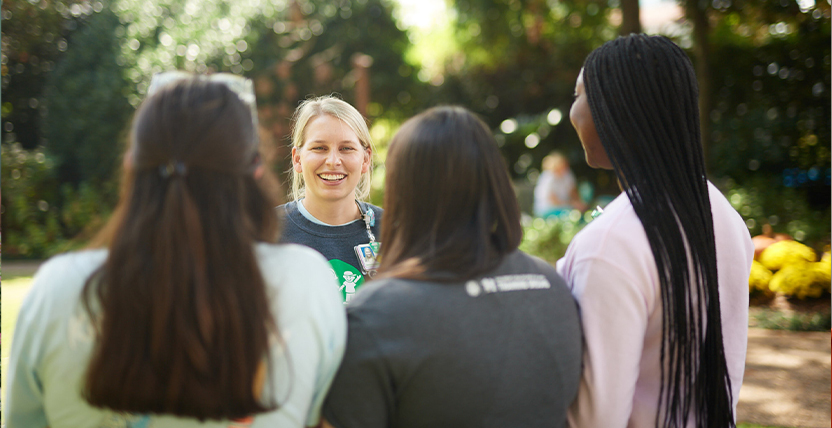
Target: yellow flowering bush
795,271
785,253
801,280
759,279
824,268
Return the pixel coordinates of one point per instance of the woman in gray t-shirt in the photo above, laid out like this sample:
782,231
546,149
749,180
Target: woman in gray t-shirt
461,329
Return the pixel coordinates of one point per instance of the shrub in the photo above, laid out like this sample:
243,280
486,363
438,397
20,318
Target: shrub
549,238
786,253
797,275
801,280
764,200
86,209
29,202
759,279
39,220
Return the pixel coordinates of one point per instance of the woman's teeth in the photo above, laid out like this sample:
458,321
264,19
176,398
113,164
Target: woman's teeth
332,177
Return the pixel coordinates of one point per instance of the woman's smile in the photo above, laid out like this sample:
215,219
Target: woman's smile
332,178
331,160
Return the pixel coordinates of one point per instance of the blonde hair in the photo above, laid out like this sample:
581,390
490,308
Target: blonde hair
338,108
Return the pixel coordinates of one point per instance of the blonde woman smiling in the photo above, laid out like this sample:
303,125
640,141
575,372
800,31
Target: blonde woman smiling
332,161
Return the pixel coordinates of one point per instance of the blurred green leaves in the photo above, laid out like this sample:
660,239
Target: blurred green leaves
549,238
74,70
86,105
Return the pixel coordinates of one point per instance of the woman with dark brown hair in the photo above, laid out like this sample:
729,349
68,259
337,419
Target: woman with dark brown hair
191,315
462,329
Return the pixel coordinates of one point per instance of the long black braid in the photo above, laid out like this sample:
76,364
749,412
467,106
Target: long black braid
643,97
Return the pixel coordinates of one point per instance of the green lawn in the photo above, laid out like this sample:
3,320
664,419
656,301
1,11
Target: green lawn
14,290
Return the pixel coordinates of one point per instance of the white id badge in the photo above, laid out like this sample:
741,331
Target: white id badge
367,257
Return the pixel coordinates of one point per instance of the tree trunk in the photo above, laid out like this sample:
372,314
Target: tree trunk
697,13
630,17
361,64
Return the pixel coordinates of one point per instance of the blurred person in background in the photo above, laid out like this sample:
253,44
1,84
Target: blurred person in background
190,315
662,275
460,328
556,192
332,157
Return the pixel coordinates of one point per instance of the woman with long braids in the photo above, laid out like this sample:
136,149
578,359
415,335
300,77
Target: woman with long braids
190,316
662,275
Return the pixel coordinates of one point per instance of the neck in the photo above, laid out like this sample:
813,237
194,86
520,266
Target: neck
332,212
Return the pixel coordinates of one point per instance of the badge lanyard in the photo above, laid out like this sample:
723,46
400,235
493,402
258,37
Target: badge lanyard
369,218
367,253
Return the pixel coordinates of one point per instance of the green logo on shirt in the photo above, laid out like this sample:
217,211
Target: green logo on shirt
348,277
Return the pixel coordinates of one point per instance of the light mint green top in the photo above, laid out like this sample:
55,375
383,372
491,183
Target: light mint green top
53,341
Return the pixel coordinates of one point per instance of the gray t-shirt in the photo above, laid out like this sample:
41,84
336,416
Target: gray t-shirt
501,350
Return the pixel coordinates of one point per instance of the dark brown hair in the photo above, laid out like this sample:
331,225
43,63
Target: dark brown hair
643,96
450,212
180,306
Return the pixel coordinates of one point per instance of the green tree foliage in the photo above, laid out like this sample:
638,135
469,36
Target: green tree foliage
102,56
291,49
86,106
322,47
527,54
768,78
772,90
771,116
519,60
312,51
512,61
33,39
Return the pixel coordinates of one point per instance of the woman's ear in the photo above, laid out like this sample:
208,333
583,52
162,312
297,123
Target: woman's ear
296,160
368,155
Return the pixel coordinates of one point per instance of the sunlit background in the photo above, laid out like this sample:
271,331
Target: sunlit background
73,71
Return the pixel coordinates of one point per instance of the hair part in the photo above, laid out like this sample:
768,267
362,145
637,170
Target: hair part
183,323
450,210
643,96
330,105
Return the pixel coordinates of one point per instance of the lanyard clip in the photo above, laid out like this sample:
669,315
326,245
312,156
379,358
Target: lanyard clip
369,218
